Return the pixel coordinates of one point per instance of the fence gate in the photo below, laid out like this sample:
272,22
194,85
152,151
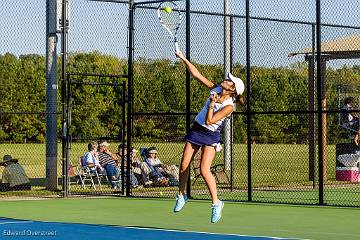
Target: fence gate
86,100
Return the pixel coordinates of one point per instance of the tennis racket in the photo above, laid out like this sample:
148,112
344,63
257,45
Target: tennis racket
170,18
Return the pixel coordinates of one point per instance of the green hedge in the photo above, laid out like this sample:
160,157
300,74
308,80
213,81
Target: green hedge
159,86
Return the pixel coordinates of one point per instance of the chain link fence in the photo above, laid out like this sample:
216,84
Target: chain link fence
22,105
283,95
276,139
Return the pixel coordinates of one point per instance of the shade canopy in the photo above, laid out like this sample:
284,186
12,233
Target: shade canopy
341,48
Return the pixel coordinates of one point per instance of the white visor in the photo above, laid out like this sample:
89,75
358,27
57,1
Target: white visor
239,84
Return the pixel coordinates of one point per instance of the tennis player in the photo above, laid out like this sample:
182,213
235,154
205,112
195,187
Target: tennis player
205,133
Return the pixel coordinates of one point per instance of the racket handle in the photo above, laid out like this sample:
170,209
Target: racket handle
177,49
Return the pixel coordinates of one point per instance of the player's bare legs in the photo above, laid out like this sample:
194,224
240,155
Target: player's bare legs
188,154
207,156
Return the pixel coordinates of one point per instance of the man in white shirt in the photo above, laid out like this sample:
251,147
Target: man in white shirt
90,158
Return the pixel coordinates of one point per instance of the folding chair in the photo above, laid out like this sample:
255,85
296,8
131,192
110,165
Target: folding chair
87,175
74,175
220,174
196,168
144,153
116,183
217,170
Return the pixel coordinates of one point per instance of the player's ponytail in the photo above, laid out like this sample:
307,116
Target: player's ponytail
239,99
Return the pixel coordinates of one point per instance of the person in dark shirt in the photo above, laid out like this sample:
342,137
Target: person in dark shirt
108,163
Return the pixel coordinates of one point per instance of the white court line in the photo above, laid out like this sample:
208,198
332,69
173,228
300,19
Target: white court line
3,223
179,231
210,233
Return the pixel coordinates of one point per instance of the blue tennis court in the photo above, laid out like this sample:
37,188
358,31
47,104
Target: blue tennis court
132,218
23,229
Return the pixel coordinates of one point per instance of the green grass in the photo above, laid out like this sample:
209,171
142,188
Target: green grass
327,223
272,163
280,172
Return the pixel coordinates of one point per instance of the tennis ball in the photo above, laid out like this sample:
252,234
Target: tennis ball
161,193
168,9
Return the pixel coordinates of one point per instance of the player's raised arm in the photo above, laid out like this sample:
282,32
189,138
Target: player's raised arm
194,71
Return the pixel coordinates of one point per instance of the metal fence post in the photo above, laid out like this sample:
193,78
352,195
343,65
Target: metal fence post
319,100
248,110
51,95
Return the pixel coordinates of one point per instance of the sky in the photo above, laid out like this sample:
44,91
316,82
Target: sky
102,26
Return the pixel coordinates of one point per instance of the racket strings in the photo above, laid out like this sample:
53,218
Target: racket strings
171,20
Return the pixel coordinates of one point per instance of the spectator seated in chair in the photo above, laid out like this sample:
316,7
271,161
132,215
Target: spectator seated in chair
350,120
112,162
140,169
90,159
14,177
107,160
163,171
